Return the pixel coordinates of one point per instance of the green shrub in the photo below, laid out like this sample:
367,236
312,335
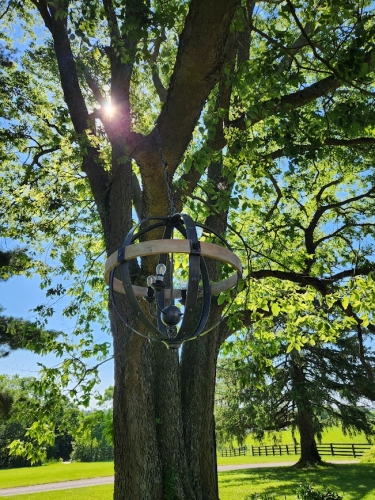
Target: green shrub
304,492
307,492
369,455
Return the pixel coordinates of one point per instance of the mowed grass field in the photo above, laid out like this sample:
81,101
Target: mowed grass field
54,473
356,481
330,435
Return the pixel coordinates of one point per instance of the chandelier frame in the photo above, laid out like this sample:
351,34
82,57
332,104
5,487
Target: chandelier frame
197,272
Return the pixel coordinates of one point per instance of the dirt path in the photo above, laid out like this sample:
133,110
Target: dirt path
80,483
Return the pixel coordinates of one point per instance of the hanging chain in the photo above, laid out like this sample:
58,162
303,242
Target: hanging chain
168,180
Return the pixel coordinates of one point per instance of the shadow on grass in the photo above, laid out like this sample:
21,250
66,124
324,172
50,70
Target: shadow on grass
354,480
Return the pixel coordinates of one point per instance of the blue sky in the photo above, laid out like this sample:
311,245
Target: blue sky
18,296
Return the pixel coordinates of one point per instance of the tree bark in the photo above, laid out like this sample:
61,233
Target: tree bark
305,418
309,450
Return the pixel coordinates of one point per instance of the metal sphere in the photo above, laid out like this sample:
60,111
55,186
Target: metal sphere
160,323
171,315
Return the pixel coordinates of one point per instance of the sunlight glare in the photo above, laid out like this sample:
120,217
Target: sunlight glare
109,109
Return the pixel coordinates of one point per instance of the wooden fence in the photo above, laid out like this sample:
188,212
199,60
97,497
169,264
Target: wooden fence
347,450
333,449
233,452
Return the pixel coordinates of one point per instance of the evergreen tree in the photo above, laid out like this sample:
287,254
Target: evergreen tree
308,390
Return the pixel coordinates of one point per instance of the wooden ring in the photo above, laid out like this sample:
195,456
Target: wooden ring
157,247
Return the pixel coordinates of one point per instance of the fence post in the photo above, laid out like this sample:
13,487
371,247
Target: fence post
332,449
353,449
287,449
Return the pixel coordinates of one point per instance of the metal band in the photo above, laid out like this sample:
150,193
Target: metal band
194,268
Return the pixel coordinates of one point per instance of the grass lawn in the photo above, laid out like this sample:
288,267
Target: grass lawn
104,492
249,459
53,473
356,481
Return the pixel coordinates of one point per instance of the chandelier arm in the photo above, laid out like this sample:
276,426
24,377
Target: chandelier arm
113,300
160,303
191,296
170,221
223,316
125,275
182,230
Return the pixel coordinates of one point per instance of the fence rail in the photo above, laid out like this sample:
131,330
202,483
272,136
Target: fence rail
233,452
333,449
339,449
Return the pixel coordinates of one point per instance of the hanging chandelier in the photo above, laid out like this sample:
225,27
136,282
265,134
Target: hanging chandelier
178,296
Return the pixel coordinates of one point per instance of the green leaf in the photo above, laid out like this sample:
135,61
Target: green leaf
275,308
345,302
221,299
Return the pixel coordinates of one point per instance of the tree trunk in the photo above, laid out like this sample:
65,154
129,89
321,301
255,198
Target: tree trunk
309,450
163,419
305,418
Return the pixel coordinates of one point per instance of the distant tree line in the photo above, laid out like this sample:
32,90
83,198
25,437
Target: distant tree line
81,436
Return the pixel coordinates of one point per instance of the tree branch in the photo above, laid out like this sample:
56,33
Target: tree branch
205,32
321,59
42,6
93,86
290,101
358,141
74,99
332,235
319,284
279,196
309,232
160,89
319,195
5,11
357,271
191,178
330,141
120,76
